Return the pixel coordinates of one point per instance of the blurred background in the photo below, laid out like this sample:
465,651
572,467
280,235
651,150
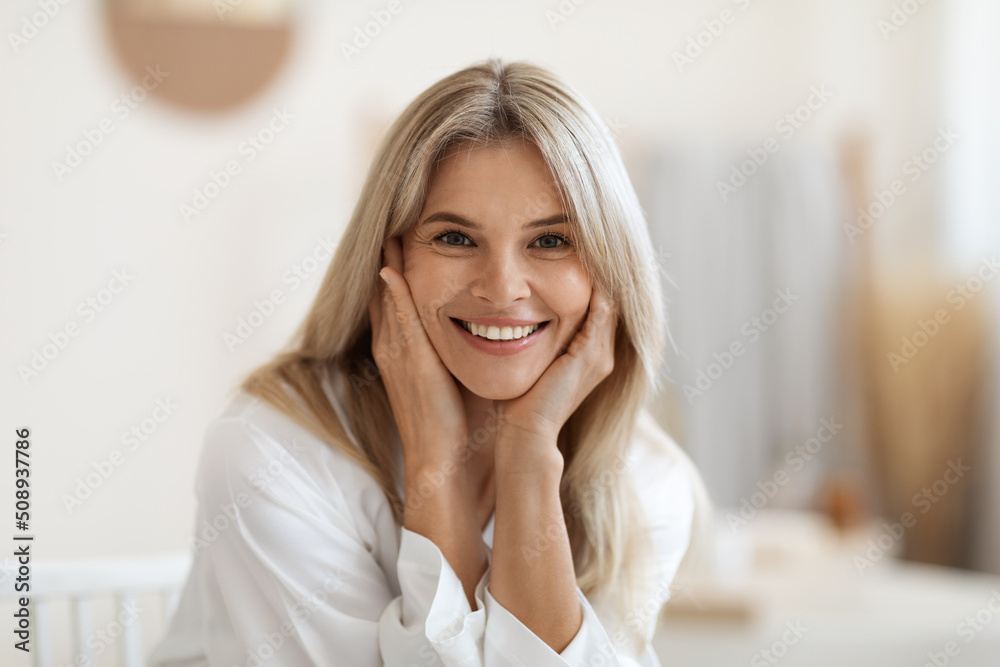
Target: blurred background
820,182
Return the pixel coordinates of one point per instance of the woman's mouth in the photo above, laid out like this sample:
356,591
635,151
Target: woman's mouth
499,340
499,333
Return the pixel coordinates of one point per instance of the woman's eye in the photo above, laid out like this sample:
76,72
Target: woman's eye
559,240
545,242
453,236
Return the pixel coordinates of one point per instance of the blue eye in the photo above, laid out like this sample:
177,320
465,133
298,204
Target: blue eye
558,237
451,232
563,240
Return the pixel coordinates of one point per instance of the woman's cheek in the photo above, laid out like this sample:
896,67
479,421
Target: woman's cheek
424,304
572,287
429,287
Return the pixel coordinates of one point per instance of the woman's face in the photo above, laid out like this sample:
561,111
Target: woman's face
487,249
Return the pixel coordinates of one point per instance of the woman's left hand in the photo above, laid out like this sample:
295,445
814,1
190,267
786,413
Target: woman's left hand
540,413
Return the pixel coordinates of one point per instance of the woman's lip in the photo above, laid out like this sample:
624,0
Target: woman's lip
499,347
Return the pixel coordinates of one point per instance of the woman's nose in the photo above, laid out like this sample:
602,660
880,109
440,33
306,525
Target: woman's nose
502,279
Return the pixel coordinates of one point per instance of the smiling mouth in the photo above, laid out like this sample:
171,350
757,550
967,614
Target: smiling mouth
500,333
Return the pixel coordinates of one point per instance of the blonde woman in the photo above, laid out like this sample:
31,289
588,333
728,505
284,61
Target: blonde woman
452,463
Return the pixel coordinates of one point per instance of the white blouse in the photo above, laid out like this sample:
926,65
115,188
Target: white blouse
298,561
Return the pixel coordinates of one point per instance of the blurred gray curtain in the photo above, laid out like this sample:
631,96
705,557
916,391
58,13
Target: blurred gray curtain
728,262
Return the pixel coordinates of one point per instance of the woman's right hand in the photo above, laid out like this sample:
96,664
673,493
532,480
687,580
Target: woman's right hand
426,403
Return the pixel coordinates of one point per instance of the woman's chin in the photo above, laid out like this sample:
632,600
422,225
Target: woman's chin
495,389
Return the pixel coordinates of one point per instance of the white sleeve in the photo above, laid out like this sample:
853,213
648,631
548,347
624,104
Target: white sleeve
297,582
297,586
510,643
498,638
669,501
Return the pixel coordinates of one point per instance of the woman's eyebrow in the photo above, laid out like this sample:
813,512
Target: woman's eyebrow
455,219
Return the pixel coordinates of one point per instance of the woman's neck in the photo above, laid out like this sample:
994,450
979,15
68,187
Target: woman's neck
480,416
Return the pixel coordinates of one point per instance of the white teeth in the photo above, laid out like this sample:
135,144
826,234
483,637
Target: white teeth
499,333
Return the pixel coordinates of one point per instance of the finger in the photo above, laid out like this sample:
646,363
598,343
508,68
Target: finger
394,254
602,318
381,309
601,307
605,323
608,313
406,318
379,284
375,308
391,258
595,341
380,312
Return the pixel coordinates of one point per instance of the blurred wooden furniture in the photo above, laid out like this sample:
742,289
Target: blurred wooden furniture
923,365
806,601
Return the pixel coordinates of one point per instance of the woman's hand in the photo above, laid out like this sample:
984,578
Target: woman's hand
426,403
539,414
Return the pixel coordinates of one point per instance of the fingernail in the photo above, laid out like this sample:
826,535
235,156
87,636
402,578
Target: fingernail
382,276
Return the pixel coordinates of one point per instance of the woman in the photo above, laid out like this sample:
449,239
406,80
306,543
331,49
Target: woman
451,465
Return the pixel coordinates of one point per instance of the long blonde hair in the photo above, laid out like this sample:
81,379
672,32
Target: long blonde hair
489,103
